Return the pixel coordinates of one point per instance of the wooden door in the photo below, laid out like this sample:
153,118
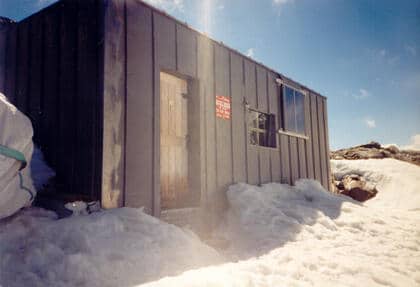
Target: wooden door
173,141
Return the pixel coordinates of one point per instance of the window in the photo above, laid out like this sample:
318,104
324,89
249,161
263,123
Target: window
293,110
262,129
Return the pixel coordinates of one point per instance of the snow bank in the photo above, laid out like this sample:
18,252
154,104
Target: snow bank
398,182
277,235
304,236
120,247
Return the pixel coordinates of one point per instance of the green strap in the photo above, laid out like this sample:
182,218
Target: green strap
12,153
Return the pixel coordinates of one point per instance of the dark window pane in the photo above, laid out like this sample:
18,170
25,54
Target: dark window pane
300,112
289,109
272,142
262,139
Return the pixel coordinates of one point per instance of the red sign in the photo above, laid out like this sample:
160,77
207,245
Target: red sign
223,107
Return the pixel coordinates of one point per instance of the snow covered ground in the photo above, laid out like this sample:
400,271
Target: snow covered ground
277,235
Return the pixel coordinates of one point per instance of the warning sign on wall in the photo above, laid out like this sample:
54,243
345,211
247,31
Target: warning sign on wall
223,107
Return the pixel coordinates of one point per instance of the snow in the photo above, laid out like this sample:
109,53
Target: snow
397,181
120,247
276,235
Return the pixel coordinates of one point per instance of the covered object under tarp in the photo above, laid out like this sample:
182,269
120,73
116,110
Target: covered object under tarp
16,147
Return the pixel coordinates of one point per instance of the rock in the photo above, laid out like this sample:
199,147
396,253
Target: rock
356,187
361,194
393,149
375,151
372,144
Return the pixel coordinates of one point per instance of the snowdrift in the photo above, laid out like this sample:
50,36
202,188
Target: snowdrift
16,188
119,247
397,182
277,235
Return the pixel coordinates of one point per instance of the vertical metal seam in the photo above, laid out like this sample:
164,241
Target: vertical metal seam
291,173
319,140
215,119
313,143
75,98
42,88
125,30
280,122
176,47
270,112
154,143
258,107
326,142
230,122
243,91
29,66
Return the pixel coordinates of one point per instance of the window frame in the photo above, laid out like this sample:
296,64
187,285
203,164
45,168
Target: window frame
271,117
282,129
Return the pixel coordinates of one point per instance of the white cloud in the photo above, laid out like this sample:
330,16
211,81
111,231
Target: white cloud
370,123
250,52
281,2
382,53
411,50
362,94
167,5
414,143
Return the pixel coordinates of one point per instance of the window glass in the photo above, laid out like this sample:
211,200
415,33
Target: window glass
293,110
300,112
289,109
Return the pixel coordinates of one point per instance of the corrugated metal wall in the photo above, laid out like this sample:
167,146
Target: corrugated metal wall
152,42
52,75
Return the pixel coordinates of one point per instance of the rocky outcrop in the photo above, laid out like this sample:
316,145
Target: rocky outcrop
376,151
355,186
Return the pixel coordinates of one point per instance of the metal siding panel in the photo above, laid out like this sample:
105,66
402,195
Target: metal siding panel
22,67
10,76
264,160
165,41
262,100
308,142
3,54
51,85
67,95
315,141
186,51
251,98
86,122
35,80
284,159
194,144
273,108
262,89
206,76
140,145
238,117
294,159
302,158
322,145
327,143
223,127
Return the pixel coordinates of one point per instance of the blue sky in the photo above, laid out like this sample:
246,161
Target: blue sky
363,55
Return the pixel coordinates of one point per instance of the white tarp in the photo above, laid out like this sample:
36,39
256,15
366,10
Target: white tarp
16,188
